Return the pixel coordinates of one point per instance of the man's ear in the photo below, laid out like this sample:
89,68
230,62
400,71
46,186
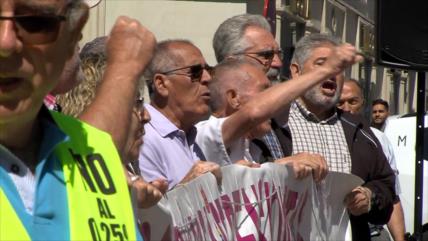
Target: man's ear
232,98
294,69
160,85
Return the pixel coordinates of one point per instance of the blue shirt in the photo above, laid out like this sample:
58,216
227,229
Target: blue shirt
167,152
43,206
47,216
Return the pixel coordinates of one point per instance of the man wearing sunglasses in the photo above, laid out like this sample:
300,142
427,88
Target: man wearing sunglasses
243,102
61,179
249,36
178,77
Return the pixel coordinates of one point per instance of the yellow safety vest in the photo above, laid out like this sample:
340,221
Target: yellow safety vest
99,203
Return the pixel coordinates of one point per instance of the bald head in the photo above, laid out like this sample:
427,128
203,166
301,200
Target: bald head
234,82
351,99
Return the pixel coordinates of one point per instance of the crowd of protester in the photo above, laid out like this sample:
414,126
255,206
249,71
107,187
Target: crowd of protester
76,136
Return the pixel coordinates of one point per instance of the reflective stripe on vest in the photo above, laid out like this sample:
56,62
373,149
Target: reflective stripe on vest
11,228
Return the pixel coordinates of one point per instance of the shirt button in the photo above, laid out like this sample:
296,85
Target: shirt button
14,168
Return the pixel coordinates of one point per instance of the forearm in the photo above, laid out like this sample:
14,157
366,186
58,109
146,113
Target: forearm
112,107
396,223
129,49
270,103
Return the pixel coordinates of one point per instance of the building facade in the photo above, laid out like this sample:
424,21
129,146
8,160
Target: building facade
351,21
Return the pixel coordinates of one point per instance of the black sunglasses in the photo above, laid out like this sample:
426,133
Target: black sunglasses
36,29
268,54
195,72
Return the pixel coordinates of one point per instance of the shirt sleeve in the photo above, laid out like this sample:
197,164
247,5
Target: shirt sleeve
210,139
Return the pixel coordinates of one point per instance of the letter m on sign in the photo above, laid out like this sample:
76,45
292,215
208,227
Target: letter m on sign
402,140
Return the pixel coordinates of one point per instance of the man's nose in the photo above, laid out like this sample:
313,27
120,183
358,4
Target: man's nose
206,77
276,61
346,107
8,39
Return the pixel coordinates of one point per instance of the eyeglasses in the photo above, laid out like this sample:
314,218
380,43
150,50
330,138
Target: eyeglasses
195,72
36,29
266,55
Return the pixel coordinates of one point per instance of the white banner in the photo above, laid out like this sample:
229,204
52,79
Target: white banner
401,133
265,203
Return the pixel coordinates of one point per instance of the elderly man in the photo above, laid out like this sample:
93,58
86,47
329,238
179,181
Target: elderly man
352,100
343,139
242,103
61,179
178,76
249,36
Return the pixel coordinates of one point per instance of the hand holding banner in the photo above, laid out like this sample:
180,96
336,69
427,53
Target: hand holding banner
265,203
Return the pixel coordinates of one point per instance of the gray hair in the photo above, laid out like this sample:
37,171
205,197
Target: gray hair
221,80
95,47
94,62
356,82
164,58
75,11
228,38
308,43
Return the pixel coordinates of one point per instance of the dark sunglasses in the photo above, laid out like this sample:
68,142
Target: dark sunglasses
267,54
195,71
36,29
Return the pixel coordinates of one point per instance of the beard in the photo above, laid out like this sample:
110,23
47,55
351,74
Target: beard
315,97
273,74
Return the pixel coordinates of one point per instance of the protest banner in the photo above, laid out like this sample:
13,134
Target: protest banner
250,204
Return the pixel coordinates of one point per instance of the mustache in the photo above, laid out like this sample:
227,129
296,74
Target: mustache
273,73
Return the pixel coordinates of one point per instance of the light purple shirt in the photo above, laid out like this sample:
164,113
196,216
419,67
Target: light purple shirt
167,151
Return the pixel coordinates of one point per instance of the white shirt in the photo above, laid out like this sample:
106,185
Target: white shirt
389,154
210,139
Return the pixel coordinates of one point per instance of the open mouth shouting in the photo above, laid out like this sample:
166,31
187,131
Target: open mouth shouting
329,88
9,84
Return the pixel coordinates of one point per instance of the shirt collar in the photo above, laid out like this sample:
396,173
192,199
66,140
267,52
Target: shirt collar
305,113
51,137
52,134
164,127
160,123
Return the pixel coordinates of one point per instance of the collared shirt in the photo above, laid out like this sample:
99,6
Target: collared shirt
39,199
210,140
20,173
324,137
167,152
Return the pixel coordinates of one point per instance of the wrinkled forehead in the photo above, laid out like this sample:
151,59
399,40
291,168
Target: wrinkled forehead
188,53
38,6
258,36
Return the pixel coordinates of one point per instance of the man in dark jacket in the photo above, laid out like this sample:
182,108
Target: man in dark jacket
345,140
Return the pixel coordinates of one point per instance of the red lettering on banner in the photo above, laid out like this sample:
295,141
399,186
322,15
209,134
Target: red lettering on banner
260,203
